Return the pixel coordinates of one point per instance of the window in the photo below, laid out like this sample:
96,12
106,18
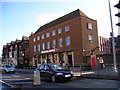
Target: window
48,45
53,33
68,41
67,28
54,43
41,67
34,48
46,67
90,26
60,42
43,46
34,39
90,38
38,37
39,47
43,36
47,34
59,30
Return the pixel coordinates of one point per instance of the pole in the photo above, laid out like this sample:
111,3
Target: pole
113,41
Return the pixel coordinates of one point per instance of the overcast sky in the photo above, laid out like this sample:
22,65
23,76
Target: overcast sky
21,17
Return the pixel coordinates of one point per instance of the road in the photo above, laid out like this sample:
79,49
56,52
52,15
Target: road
4,86
25,80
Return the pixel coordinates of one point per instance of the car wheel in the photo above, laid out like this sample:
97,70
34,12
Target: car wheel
53,78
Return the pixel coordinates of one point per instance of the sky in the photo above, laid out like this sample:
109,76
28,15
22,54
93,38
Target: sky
21,17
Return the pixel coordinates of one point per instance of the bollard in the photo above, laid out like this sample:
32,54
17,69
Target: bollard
37,80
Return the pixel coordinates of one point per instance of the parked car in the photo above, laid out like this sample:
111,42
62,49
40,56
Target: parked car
6,68
54,72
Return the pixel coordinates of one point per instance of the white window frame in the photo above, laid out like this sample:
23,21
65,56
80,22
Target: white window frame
38,47
47,34
60,40
34,48
90,38
53,33
59,30
54,43
43,36
67,28
43,46
34,39
38,37
90,26
48,45
68,41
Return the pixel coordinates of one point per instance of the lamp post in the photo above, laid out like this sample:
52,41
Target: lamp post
113,41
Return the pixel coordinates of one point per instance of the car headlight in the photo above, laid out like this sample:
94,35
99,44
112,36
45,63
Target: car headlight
59,73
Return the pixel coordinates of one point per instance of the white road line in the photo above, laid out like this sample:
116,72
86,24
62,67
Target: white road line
6,83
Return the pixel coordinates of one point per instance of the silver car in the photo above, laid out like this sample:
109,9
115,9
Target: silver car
6,68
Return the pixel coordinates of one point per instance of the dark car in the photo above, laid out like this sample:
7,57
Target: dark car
54,72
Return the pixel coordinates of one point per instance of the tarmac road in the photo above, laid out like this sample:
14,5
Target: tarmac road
25,80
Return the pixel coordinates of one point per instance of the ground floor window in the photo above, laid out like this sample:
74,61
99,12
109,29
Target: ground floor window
65,57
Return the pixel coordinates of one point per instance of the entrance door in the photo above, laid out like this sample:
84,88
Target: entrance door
70,60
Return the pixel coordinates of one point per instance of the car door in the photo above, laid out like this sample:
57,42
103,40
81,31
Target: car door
47,72
41,69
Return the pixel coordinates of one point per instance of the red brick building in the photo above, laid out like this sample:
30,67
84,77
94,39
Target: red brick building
67,39
17,52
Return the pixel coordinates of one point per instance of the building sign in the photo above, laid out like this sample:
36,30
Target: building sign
93,61
48,51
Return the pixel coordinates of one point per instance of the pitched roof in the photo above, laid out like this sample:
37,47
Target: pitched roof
62,19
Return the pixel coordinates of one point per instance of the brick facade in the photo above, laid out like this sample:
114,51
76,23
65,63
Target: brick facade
83,39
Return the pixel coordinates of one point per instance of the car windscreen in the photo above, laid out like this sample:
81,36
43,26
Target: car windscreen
8,66
55,67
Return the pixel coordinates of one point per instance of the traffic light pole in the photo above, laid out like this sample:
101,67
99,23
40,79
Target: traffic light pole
113,41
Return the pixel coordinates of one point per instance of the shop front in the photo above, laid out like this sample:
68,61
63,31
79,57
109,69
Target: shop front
53,56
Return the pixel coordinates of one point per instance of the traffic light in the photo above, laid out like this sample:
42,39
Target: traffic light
111,34
118,15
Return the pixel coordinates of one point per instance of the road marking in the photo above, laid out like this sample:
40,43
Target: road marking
16,76
27,78
13,79
6,83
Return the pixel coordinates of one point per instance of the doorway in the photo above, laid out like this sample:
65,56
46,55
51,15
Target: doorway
70,60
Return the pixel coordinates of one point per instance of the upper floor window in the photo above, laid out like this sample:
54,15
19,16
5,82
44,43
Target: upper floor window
68,41
60,42
67,28
39,47
48,45
43,36
90,26
38,37
59,30
54,43
43,46
47,34
53,32
90,38
34,39
35,48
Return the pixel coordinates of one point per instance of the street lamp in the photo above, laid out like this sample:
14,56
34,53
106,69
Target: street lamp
113,41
